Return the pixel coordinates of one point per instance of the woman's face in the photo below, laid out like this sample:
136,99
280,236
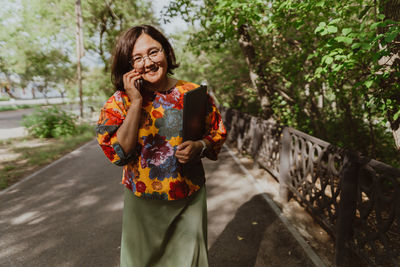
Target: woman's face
153,71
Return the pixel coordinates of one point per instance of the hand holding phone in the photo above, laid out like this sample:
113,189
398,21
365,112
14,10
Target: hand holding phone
139,84
133,84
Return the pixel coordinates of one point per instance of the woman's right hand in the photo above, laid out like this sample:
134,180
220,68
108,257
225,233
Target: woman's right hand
129,79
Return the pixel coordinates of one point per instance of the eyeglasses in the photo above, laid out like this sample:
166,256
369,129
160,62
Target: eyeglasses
154,55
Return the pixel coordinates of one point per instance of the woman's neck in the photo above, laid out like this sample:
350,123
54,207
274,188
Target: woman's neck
163,85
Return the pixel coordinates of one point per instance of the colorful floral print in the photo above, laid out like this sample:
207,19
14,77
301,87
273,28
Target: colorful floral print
156,185
178,190
170,125
170,168
129,177
156,114
152,171
145,120
108,151
155,150
140,187
167,100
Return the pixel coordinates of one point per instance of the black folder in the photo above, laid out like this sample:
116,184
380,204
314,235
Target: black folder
194,116
194,113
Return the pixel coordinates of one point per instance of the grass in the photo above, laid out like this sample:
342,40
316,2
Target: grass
9,168
30,158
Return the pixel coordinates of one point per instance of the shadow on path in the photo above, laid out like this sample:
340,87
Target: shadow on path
256,237
70,214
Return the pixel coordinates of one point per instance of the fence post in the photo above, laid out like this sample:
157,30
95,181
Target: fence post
347,208
257,140
284,165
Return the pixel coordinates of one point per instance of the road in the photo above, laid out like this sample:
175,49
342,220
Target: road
12,118
32,101
10,121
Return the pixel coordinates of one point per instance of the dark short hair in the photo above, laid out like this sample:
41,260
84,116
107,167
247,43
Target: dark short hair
123,52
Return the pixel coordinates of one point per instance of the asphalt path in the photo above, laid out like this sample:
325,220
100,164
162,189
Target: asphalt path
10,123
70,214
12,118
12,102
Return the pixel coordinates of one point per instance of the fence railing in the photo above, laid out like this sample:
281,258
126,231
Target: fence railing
355,199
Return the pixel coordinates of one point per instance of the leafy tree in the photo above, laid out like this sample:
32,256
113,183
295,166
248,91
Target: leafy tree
35,28
52,68
391,64
104,22
28,38
224,21
316,65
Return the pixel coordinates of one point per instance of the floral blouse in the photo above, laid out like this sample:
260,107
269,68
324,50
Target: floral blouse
152,171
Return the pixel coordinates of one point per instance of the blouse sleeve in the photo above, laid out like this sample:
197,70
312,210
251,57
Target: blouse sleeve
215,129
111,118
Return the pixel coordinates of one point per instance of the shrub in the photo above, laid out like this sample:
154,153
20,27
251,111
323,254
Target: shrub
50,122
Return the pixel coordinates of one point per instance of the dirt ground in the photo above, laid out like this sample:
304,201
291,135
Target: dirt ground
13,165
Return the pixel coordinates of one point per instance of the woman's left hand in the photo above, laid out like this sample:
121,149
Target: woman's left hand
188,150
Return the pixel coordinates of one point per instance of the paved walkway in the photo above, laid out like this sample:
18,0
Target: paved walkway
69,214
10,121
56,100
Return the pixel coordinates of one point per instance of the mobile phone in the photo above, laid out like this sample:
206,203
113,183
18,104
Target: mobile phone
139,84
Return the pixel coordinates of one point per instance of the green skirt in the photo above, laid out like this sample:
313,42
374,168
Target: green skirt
164,233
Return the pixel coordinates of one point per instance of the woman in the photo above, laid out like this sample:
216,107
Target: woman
165,212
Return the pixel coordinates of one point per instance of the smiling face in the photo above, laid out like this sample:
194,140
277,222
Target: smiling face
152,72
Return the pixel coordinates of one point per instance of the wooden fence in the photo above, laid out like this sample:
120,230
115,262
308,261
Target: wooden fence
355,199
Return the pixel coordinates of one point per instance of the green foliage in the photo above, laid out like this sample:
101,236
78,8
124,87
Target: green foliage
97,83
50,122
104,21
328,64
216,68
33,47
37,41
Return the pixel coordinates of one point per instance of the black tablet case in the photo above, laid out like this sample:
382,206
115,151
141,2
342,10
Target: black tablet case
194,113
194,116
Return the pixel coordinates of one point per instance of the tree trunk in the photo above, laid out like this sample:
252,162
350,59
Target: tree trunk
45,90
7,87
396,133
8,91
33,93
101,50
79,50
257,75
392,12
